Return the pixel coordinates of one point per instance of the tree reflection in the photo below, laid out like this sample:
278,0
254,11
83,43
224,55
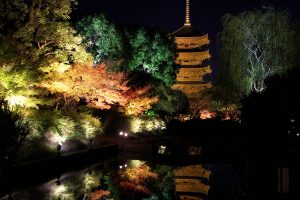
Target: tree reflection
135,180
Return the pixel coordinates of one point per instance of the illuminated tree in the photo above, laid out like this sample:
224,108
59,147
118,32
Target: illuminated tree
145,124
138,50
99,88
101,38
38,31
255,46
152,53
34,34
90,125
18,88
139,101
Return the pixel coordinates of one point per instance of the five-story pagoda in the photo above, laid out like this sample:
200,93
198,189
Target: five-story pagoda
193,54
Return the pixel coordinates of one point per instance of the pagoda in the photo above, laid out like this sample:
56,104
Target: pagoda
193,54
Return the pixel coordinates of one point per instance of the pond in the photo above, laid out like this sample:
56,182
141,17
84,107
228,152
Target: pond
138,179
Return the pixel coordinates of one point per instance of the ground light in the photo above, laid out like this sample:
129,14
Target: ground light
123,166
124,134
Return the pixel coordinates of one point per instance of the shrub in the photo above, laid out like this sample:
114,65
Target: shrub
13,128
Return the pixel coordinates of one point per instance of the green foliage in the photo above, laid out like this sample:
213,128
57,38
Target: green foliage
18,88
166,184
38,32
39,121
90,181
142,51
101,38
152,197
152,53
63,124
170,101
255,45
35,34
112,185
62,192
56,125
89,125
142,125
13,128
37,41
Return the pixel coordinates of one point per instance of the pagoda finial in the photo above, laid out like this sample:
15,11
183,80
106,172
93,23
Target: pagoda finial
187,13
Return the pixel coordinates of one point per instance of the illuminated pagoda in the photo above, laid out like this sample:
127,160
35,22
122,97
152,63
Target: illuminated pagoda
193,55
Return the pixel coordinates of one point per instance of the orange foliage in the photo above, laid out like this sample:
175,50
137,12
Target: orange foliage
139,174
99,88
134,187
206,114
198,104
98,194
139,101
135,178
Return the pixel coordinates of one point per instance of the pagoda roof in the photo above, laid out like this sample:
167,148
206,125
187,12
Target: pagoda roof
186,31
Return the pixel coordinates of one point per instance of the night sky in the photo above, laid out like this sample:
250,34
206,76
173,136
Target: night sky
169,15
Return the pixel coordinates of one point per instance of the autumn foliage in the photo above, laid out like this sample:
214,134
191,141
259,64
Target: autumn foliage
99,194
136,179
99,88
139,101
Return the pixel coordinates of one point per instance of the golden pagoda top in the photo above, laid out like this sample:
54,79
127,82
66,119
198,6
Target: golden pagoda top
187,13
186,30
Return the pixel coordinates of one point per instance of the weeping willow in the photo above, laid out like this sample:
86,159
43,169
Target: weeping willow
254,46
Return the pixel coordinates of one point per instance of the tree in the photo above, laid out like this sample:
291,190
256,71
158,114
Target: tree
170,101
14,130
139,51
271,113
34,34
255,45
139,101
152,53
39,31
100,89
136,179
101,38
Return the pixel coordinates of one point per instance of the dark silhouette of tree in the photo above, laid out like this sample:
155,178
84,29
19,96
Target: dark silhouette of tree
266,116
13,130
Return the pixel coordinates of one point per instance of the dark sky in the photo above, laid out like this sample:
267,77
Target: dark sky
169,14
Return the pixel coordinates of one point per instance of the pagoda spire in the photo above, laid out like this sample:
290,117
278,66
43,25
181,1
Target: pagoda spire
187,13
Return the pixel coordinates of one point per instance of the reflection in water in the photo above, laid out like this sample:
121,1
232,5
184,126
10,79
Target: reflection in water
137,181
192,182
131,179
